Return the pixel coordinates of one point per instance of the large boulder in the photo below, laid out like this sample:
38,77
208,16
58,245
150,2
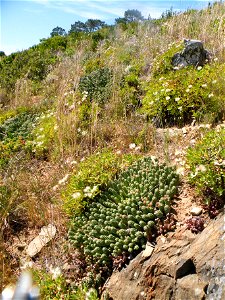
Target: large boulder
193,54
183,266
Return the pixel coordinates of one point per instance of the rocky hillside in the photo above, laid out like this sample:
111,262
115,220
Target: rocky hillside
112,160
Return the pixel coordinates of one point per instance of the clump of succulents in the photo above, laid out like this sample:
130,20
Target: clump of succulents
122,218
195,224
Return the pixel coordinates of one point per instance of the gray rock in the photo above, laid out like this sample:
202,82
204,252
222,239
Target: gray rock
169,274
46,235
193,54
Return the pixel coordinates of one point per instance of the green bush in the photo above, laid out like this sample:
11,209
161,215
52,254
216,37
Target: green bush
207,163
97,85
122,217
15,131
130,86
92,176
162,63
183,95
43,134
53,287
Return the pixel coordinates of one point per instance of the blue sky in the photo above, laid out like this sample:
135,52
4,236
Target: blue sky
24,23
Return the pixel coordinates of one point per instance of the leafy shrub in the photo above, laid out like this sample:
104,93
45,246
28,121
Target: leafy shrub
162,63
92,176
53,287
186,94
97,84
130,89
207,164
15,131
18,126
123,217
4,115
43,134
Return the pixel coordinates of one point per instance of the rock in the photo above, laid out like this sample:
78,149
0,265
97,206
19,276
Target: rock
183,268
190,287
193,54
148,250
196,211
46,235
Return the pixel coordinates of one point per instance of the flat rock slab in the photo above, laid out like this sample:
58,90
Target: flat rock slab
46,234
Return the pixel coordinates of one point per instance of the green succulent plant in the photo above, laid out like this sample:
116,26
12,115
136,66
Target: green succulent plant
119,221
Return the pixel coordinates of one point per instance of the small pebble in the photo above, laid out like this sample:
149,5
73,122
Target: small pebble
196,211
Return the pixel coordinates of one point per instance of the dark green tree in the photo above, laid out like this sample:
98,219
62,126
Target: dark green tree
58,31
94,24
78,26
132,15
2,53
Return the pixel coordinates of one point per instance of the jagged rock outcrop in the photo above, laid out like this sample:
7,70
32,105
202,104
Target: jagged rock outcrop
184,267
193,54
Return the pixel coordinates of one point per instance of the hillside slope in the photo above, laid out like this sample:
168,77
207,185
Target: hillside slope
100,124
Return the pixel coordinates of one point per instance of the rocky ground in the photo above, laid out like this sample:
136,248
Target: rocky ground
179,261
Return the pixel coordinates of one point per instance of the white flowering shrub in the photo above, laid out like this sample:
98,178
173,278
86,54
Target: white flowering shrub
91,177
207,163
121,219
43,134
181,96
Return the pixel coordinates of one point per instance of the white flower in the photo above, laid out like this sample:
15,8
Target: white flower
177,99
180,171
199,68
87,189
161,78
155,93
132,146
168,90
94,189
180,107
187,90
190,86
83,133
214,81
64,179
204,85
76,195
73,162
56,272
167,97
201,168
55,187
211,95
41,129
55,127
215,59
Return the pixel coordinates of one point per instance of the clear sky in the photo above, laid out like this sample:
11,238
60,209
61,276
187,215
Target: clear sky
24,23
